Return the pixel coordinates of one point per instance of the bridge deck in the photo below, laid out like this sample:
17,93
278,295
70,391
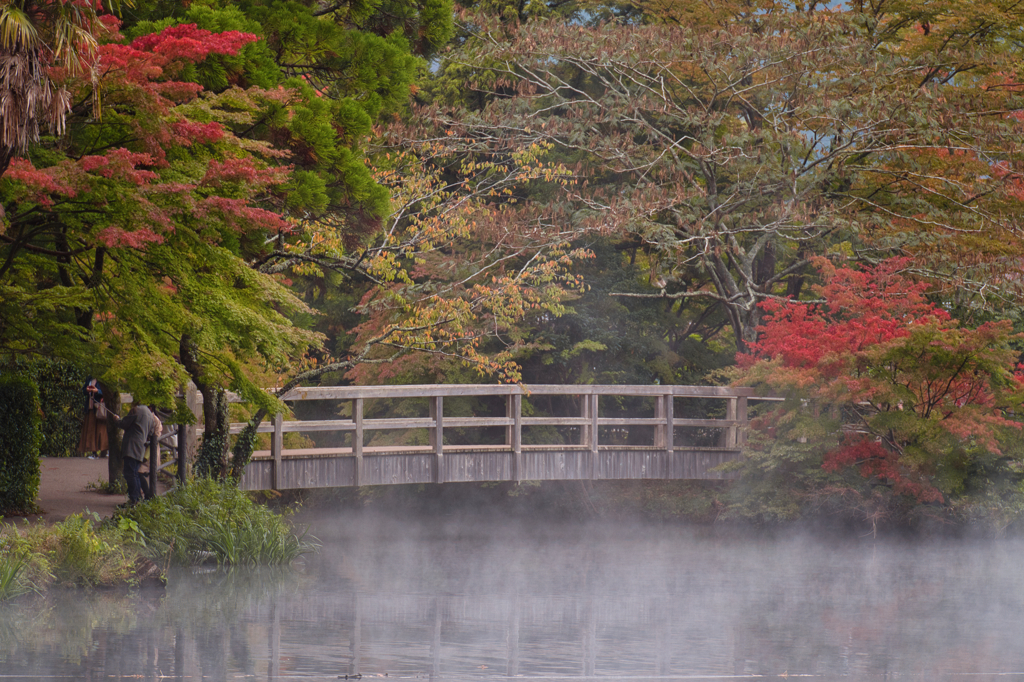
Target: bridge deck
337,467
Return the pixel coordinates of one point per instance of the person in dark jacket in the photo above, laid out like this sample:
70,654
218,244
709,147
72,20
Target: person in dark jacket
139,426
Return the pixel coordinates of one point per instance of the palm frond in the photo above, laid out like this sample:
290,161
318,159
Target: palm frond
71,43
17,29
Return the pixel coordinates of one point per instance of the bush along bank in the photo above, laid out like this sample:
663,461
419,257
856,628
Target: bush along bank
207,521
203,522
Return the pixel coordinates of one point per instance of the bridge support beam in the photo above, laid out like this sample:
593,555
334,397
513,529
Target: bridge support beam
590,412
357,439
514,434
741,416
154,463
276,445
437,436
731,406
664,435
182,455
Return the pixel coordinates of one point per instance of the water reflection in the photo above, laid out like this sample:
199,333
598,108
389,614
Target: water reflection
453,601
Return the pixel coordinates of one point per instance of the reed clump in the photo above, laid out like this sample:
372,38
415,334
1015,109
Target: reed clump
211,522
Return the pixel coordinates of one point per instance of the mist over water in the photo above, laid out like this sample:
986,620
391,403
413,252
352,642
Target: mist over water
474,597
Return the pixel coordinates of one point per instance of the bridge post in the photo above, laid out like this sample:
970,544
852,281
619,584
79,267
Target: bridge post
274,664
665,434
589,627
182,455
355,644
593,410
154,464
435,642
514,434
276,445
437,436
588,411
357,439
731,410
585,414
741,415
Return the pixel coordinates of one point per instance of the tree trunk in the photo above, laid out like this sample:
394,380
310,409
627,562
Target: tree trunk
213,453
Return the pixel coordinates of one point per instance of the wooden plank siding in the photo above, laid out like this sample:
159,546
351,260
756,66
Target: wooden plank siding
595,452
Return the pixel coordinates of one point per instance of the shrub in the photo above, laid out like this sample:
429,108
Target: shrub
79,554
19,444
212,521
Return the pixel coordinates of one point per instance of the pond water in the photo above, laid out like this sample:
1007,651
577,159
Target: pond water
446,599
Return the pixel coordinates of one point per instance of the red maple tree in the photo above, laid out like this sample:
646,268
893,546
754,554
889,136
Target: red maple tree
881,381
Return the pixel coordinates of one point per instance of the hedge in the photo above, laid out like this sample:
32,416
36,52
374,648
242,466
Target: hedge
19,444
61,398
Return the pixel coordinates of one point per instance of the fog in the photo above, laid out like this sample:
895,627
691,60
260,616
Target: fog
476,596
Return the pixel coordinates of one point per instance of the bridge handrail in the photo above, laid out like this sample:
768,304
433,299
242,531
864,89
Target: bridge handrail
497,390
460,390
473,422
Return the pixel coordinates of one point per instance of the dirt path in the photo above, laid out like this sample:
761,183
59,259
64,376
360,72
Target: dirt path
64,489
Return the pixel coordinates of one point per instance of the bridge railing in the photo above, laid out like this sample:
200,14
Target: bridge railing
585,427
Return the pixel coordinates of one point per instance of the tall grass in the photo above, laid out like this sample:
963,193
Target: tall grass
12,577
209,521
22,569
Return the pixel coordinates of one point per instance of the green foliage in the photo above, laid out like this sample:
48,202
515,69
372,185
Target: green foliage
81,554
606,339
211,521
49,329
781,474
19,443
14,568
77,551
118,487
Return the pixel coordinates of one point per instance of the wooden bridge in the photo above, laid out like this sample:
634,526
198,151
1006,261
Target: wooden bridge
391,435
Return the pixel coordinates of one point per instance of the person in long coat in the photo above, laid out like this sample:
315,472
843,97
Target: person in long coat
94,422
138,426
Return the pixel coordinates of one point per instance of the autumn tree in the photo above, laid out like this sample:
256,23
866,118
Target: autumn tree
125,240
888,402
445,284
737,146
159,239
